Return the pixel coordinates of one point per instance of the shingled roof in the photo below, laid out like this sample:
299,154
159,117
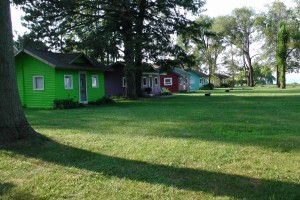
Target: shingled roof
180,72
65,60
221,76
199,73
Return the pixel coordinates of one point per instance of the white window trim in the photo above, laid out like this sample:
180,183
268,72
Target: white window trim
144,77
34,83
170,83
97,83
124,81
71,76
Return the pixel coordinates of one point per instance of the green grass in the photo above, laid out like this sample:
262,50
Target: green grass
244,144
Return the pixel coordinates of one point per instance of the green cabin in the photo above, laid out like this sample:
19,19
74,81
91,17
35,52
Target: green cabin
45,76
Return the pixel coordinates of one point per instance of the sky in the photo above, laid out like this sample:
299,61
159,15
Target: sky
213,8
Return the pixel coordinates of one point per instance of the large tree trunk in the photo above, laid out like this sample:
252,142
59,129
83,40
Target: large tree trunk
251,71
127,32
139,46
13,123
277,77
283,78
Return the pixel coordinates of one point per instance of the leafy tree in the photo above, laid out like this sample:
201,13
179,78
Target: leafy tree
13,123
241,35
29,40
132,20
269,24
207,38
282,53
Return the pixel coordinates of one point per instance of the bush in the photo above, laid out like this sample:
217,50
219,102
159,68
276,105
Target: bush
103,100
224,85
208,86
65,104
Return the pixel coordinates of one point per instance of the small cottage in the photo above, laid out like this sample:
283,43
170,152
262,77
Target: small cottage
150,79
115,82
218,79
176,81
197,79
44,76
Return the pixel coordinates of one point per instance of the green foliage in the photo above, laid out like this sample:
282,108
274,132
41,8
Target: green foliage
103,100
59,104
282,52
224,85
208,86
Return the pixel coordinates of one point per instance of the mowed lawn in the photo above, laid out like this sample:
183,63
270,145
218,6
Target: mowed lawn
244,144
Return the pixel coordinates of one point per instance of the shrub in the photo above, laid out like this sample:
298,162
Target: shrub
103,100
66,104
224,85
208,86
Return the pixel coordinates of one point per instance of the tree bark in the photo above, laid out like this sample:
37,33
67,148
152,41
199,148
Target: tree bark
13,123
139,46
127,33
277,77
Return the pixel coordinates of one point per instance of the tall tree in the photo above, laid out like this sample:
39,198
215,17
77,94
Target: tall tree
268,24
132,19
242,37
208,40
282,54
13,123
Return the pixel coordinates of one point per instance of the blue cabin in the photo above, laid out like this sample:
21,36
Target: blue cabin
197,79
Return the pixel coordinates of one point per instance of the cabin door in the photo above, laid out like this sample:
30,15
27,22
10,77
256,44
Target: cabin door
82,88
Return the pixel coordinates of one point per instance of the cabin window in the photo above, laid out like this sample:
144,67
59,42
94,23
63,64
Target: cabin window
95,81
168,81
155,81
68,79
124,82
38,82
200,81
144,81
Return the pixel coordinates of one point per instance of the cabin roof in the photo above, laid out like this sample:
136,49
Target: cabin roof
199,73
65,60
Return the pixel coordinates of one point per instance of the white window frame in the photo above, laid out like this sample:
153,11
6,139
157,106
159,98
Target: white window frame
168,83
124,82
156,81
144,80
71,80
97,81
34,86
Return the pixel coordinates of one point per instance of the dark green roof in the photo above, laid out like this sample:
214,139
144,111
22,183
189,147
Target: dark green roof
66,60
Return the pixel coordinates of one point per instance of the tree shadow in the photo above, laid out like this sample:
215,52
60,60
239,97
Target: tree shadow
7,192
216,183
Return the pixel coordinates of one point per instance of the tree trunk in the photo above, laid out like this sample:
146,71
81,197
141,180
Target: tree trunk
13,123
139,46
283,79
277,77
127,32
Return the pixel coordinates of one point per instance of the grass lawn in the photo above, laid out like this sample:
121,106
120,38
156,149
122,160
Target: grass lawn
244,144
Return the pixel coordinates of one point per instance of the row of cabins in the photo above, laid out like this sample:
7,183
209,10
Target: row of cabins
45,76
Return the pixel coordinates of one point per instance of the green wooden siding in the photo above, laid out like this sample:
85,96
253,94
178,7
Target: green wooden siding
31,67
61,92
95,93
27,67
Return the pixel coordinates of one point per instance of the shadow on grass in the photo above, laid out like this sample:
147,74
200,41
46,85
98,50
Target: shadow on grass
216,183
7,192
